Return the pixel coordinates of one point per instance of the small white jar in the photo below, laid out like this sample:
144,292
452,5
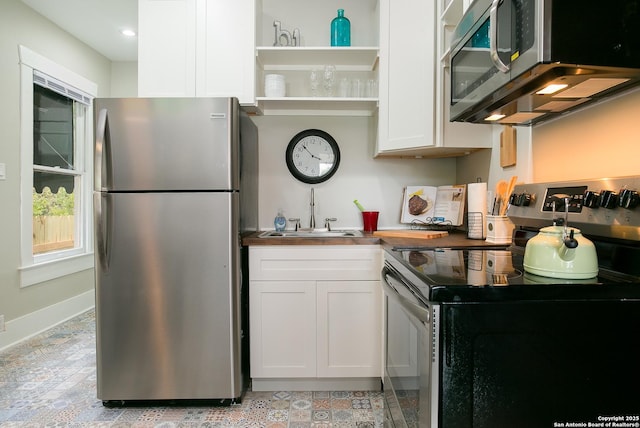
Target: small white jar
274,85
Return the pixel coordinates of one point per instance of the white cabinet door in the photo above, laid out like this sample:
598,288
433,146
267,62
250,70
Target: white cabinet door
407,75
197,48
166,48
349,328
225,57
282,328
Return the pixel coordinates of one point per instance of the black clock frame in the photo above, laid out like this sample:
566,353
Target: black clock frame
289,156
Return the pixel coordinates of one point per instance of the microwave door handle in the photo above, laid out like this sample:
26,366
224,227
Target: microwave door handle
493,38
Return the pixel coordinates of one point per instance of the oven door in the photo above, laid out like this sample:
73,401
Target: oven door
539,364
411,374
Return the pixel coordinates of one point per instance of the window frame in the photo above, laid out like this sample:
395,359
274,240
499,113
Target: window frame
35,269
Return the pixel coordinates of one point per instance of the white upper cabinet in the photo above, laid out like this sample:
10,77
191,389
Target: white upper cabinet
407,76
414,82
197,48
166,48
225,63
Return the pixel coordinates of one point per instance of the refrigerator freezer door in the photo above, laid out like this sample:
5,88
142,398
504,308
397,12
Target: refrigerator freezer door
168,296
157,144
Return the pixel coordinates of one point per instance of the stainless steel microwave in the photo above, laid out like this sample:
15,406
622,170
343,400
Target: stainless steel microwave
524,61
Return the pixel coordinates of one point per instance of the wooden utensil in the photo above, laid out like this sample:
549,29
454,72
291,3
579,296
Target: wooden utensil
501,190
507,195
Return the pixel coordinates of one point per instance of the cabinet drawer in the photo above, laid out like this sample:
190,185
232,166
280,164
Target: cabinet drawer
315,262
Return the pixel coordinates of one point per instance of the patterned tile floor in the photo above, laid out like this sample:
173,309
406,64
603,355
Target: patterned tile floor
50,381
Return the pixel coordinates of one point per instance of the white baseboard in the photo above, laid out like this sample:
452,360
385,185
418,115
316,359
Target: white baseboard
316,384
29,325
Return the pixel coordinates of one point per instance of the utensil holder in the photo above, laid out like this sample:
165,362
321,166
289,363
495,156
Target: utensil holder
499,229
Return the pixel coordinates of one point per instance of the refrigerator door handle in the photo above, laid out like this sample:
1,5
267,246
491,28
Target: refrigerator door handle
102,226
100,151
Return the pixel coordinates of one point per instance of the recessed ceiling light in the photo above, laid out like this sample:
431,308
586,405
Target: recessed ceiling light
128,33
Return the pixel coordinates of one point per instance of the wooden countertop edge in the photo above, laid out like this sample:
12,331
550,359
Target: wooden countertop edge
454,238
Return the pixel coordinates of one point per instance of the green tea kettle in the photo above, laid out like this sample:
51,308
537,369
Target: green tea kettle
561,252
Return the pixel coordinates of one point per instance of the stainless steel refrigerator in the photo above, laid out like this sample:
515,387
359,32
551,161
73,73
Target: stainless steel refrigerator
175,186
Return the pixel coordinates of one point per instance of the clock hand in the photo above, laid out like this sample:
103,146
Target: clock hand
312,155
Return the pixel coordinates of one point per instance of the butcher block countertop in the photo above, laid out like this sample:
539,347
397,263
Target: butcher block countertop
384,237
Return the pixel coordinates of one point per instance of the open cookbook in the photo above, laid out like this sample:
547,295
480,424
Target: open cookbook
434,204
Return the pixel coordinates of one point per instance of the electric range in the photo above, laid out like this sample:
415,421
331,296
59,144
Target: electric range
473,340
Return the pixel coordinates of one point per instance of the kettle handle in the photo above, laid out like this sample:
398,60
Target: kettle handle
570,241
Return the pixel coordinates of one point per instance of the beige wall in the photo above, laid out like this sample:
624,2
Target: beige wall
600,141
124,79
19,25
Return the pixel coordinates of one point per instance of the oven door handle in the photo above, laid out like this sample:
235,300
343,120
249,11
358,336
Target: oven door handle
397,289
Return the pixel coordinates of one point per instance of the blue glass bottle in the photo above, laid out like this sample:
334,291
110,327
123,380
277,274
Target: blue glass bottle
340,30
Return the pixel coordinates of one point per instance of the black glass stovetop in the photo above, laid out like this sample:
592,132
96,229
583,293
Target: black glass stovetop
481,274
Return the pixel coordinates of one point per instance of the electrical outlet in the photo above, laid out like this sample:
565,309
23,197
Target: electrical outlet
1,322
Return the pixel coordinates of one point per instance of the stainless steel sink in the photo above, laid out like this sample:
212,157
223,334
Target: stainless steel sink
322,233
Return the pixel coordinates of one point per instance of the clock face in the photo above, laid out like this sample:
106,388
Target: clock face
312,156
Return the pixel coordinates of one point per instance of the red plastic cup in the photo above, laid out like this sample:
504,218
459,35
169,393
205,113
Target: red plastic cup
370,220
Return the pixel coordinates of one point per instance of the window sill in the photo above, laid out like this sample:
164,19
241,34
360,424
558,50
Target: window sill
36,274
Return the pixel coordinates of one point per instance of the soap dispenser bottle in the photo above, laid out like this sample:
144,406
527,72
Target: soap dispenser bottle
340,30
280,222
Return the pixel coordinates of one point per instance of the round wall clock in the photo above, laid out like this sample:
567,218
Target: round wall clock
313,156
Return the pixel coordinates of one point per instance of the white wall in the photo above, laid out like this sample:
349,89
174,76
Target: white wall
376,183
21,25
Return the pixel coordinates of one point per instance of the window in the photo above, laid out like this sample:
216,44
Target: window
55,173
56,170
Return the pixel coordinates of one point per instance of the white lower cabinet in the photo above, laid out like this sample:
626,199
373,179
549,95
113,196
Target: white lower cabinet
283,328
315,317
349,316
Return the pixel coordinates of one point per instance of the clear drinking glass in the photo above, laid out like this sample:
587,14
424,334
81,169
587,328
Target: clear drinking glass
315,77
344,89
329,78
357,88
372,88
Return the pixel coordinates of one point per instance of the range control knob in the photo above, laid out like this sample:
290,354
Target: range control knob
628,199
521,199
608,199
591,199
525,199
